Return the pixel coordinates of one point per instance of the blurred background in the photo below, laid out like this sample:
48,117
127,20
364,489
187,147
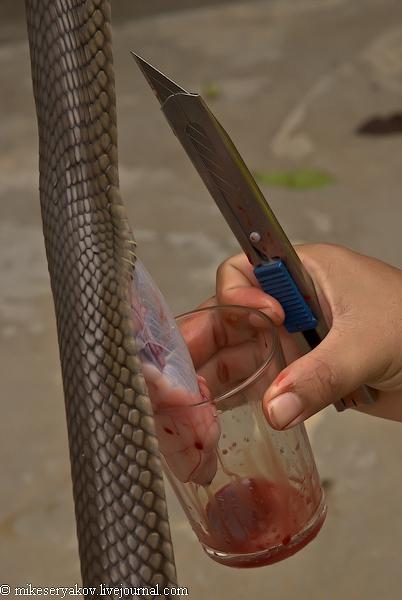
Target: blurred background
310,91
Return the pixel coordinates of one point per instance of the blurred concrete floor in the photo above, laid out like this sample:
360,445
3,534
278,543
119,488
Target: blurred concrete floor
295,80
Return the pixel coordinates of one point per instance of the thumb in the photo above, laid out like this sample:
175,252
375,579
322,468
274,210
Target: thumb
323,376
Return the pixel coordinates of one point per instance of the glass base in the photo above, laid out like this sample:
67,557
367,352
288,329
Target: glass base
275,553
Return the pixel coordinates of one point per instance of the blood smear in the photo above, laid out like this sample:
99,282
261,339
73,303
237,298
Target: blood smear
251,515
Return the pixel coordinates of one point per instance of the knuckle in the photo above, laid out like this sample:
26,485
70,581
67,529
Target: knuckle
220,335
221,269
229,262
323,382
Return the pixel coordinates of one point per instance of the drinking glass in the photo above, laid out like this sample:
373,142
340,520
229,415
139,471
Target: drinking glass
251,494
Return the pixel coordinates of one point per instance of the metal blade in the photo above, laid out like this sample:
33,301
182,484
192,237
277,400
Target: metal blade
234,189
229,181
162,86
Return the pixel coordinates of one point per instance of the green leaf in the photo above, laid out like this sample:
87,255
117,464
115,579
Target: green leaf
303,179
211,91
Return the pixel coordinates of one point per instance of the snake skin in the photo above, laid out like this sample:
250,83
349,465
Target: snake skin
122,523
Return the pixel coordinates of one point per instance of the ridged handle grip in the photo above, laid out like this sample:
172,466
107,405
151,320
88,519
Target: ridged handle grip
275,280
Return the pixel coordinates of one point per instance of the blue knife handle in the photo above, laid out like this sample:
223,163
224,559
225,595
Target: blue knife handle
275,280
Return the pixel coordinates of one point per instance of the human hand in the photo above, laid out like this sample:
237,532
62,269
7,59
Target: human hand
361,298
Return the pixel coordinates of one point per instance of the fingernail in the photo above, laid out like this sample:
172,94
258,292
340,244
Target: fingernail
284,409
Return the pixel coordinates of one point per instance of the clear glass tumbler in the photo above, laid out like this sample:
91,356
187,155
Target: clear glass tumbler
252,494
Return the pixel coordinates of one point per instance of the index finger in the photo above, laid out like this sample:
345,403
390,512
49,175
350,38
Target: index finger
237,284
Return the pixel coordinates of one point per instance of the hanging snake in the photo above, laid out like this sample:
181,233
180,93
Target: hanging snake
122,523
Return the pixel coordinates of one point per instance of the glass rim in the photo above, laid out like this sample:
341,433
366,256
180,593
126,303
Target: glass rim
255,374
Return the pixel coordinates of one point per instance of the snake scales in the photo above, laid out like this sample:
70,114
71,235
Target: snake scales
122,524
